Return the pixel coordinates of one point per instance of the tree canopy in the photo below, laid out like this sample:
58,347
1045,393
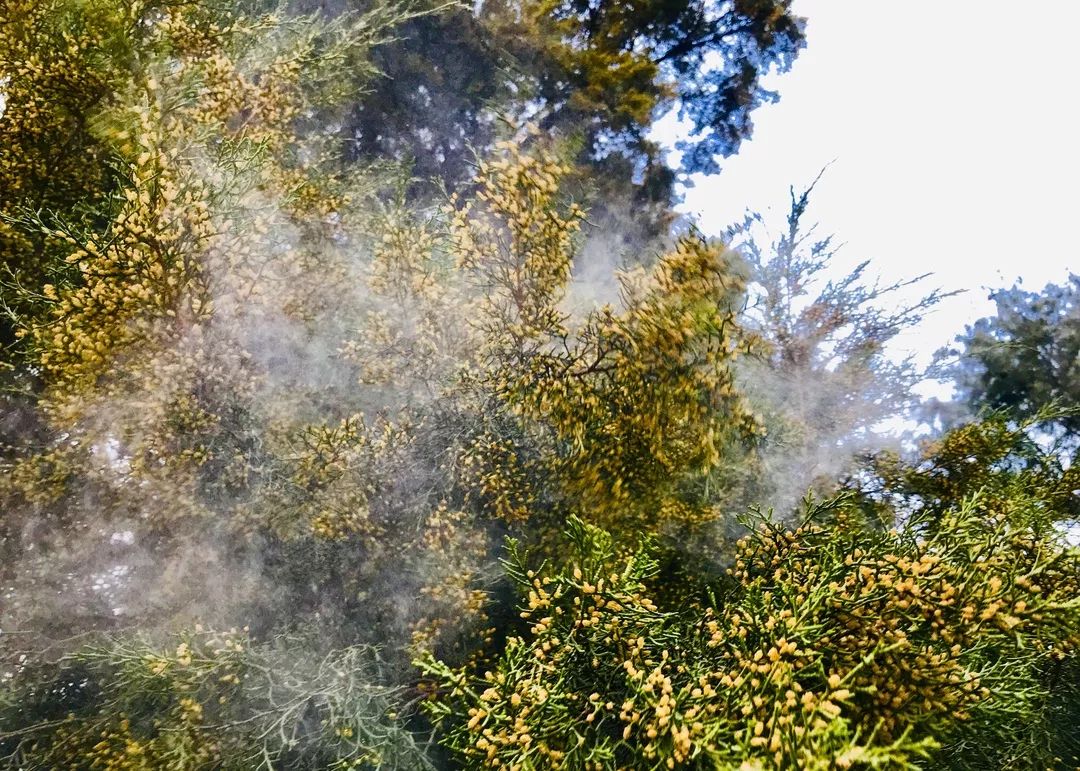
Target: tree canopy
602,72
366,406
1026,357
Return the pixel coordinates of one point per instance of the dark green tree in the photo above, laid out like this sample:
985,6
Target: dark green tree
603,71
1026,356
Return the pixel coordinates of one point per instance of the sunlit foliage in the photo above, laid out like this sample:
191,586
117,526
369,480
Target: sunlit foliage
833,647
58,62
169,427
629,404
256,384
1016,472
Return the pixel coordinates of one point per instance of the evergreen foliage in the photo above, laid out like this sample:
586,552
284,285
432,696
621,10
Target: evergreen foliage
466,474
834,646
209,701
1025,358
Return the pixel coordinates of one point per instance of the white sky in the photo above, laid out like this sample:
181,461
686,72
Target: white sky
954,126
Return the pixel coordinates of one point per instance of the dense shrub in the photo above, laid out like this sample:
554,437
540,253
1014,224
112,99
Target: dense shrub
832,645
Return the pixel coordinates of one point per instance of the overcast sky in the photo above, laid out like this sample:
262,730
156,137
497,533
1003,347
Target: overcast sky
954,127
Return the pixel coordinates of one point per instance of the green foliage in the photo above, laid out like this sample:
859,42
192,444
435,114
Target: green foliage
212,701
839,324
833,646
256,384
1026,357
58,64
598,71
622,61
1015,475
826,379
171,434
627,406
165,425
